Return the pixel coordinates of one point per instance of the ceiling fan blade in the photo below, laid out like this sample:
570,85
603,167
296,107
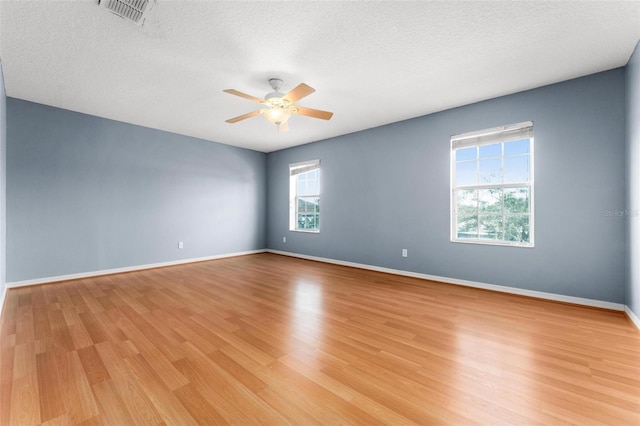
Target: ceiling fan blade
244,95
244,117
298,92
310,112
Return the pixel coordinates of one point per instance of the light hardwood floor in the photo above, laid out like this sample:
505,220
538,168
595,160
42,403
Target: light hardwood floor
267,339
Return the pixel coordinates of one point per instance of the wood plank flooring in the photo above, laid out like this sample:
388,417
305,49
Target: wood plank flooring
267,339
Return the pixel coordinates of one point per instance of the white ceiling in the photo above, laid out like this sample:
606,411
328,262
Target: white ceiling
371,62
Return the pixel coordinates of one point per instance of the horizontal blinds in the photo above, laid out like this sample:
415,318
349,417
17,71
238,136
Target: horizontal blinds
307,166
512,132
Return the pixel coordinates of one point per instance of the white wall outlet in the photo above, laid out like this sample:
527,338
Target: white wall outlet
180,244
284,239
404,252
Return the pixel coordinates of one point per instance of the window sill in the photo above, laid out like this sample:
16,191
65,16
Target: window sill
493,243
306,231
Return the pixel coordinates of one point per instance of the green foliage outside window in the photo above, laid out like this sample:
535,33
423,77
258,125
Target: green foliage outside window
308,213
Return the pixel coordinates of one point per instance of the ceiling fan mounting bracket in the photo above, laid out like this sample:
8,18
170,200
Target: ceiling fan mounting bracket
275,83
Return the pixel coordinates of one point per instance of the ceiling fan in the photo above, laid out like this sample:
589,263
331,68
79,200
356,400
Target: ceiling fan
278,107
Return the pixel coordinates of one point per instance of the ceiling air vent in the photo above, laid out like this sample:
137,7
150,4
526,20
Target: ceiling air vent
131,10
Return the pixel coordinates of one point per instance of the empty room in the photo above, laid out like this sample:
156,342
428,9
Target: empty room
319,212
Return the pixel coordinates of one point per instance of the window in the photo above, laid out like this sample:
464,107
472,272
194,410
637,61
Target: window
492,186
304,200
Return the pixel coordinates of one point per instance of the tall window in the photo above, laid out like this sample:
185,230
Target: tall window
304,200
492,186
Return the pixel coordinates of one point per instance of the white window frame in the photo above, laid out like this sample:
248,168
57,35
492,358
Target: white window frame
294,170
485,137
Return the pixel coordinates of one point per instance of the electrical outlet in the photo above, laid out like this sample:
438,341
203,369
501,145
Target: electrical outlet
180,244
404,252
284,239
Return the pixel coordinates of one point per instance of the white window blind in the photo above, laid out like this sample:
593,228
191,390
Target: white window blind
512,132
307,166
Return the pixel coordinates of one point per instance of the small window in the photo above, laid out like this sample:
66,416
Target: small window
492,186
304,200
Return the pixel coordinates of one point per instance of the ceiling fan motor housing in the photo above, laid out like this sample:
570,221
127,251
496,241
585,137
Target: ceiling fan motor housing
275,97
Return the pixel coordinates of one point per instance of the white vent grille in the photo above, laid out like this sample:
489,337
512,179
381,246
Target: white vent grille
132,10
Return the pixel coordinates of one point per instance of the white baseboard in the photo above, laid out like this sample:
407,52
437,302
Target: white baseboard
632,316
485,286
126,269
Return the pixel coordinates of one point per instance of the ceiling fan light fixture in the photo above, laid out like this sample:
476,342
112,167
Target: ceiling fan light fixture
277,115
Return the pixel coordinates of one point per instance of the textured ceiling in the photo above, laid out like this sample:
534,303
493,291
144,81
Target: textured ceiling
372,63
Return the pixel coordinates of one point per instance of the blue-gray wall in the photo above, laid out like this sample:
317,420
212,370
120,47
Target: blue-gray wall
387,188
89,194
633,182
3,179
